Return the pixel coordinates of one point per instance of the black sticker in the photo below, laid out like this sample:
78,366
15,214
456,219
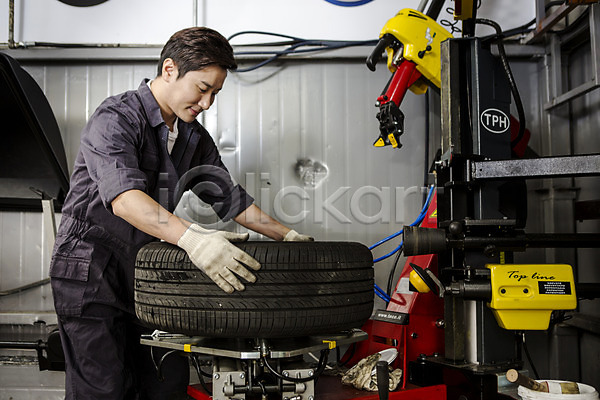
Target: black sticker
391,316
554,287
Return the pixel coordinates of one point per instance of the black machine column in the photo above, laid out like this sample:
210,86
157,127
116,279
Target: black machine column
475,127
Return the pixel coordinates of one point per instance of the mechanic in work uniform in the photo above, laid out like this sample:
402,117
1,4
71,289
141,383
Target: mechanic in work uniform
134,149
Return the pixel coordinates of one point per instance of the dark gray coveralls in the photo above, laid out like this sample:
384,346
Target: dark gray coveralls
123,147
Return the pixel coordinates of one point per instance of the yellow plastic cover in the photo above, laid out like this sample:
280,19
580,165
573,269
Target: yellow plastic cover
421,37
524,295
418,283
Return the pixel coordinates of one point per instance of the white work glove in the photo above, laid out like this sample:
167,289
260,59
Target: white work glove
212,252
361,376
293,236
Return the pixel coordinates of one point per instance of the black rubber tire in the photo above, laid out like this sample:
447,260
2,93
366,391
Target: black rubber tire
303,288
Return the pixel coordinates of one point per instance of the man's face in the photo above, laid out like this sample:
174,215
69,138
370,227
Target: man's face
195,92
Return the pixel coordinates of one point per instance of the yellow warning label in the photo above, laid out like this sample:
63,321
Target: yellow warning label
393,140
379,143
187,348
433,214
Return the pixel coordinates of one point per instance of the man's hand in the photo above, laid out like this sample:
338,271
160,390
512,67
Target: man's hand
293,236
212,252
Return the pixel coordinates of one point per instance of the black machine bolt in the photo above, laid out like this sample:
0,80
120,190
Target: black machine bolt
455,228
421,54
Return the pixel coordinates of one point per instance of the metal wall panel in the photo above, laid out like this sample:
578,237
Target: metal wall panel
74,91
585,120
22,261
585,117
268,120
263,122
570,128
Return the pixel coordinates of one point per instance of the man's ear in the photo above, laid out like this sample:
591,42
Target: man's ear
169,70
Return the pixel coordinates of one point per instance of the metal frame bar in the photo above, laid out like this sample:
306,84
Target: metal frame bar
546,167
588,323
151,53
544,24
280,348
594,25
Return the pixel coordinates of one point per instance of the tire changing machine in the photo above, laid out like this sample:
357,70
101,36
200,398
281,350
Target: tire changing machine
468,283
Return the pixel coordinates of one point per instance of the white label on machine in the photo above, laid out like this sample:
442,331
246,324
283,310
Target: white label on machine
495,121
403,287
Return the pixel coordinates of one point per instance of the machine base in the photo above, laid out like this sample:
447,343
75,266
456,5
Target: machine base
331,388
471,381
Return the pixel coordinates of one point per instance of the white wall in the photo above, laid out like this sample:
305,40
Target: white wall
153,21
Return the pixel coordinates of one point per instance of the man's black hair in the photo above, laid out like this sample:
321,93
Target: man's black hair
193,49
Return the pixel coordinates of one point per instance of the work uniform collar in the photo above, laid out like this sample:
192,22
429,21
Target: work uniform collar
186,138
150,104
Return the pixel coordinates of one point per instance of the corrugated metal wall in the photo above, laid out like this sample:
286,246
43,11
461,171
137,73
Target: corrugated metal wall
264,122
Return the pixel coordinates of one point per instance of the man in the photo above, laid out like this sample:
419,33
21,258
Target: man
134,149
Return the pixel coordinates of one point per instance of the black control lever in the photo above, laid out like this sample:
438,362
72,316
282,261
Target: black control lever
386,41
383,380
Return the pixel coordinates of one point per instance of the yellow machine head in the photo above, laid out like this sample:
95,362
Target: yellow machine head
421,37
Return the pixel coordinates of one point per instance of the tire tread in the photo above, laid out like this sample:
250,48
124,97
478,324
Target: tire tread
301,289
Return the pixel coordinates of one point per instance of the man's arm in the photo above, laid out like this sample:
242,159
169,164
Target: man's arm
256,219
141,211
209,250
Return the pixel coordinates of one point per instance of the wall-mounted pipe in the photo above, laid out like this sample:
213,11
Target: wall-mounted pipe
11,25
195,12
